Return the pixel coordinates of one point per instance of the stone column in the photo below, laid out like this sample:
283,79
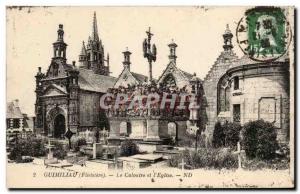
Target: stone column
114,129
152,129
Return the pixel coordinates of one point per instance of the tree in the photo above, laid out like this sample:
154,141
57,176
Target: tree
260,140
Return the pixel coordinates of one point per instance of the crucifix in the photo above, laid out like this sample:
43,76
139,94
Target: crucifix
238,152
182,164
49,147
149,53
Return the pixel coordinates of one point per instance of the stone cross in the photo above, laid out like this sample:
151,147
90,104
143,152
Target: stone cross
238,152
49,147
182,164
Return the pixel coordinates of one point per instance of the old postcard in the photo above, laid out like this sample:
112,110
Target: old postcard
150,97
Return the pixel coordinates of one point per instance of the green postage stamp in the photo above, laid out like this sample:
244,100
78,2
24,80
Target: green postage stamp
264,33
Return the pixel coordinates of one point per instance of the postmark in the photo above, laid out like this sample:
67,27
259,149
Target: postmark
263,33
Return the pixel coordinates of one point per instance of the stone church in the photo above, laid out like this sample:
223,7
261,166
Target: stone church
67,97
235,89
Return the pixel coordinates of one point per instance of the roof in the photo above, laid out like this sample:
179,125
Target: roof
246,60
13,111
187,75
140,77
90,81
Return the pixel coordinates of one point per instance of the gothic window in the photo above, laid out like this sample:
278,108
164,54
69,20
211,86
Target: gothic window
236,83
236,113
169,81
227,100
224,97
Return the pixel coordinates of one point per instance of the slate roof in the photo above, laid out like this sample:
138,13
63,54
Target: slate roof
245,60
90,81
141,78
13,112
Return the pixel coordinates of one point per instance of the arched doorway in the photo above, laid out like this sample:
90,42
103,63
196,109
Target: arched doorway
59,126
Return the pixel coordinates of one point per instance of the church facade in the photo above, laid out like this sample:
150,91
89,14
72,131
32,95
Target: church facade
67,97
235,89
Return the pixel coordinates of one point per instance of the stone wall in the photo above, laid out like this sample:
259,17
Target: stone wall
89,109
209,114
264,94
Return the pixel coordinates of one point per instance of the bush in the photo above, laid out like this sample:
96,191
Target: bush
129,148
29,146
59,150
206,158
218,136
186,140
257,164
78,143
226,135
259,140
232,133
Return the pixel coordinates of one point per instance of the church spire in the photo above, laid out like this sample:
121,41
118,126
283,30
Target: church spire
83,50
83,62
227,39
95,36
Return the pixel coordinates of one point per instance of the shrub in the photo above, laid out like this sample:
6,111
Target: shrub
29,146
59,150
232,133
226,134
186,140
206,158
257,164
259,140
78,143
218,136
129,148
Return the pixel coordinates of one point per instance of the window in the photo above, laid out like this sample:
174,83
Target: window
224,98
236,83
7,123
237,113
16,123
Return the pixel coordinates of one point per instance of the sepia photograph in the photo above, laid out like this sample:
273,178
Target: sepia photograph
150,97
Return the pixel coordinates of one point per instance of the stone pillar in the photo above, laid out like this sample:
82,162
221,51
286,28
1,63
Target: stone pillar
152,129
138,129
114,129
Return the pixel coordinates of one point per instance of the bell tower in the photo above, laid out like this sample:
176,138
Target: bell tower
126,62
92,56
227,39
172,55
60,47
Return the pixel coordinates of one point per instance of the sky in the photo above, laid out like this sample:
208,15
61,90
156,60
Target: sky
31,31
